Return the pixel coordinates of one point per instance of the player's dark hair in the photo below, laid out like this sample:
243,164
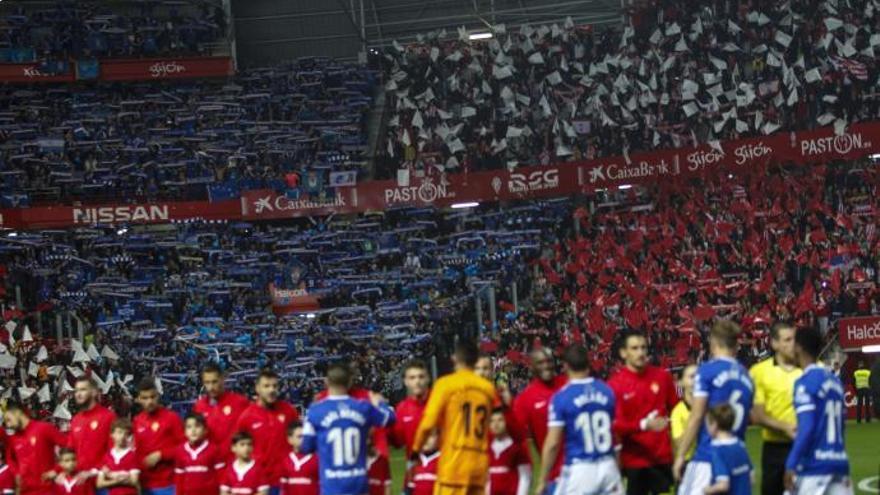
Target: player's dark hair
121,424
498,410
198,418
809,339
15,406
339,375
85,379
778,327
147,384
292,426
241,436
725,333
212,367
467,352
724,416
415,364
268,373
576,358
629,333
63,451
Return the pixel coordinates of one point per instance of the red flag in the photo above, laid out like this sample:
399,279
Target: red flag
704,313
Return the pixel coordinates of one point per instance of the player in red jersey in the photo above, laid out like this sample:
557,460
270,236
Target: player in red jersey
409,411
378,471
531,405
221,409
300,474
31,450
158,432
90,428
423,474
198,462
510,469
266,422
69,482
379,435
120,470
645,396
243,476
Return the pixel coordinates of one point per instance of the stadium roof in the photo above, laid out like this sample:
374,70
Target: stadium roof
268,31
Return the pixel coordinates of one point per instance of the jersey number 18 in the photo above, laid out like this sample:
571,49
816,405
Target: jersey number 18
596,430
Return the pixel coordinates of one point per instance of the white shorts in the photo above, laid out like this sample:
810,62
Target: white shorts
823,485
590,478
697,477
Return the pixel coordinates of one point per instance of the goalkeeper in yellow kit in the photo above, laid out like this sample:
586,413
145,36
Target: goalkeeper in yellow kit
459,407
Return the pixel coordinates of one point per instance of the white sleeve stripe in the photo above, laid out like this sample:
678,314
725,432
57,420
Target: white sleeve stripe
722,478
700,393
805,407
555,423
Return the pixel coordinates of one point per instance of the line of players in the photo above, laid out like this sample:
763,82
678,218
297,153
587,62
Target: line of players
231,446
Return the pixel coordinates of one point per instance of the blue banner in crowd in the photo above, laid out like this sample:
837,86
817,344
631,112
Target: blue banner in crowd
87,69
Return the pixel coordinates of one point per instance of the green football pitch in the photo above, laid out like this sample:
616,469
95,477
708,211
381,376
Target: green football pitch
862,444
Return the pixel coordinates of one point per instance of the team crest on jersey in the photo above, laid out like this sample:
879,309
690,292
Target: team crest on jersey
227,410
655,387
33,441
93,425
154,426
281,417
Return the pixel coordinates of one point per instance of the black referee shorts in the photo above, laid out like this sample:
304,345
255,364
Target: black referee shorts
652,480
773,455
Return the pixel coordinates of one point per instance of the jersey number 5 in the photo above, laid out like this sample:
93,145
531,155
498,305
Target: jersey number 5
479,423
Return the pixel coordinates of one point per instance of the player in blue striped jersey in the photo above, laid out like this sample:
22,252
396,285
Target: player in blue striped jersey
337,428
721,380
581,414
817,463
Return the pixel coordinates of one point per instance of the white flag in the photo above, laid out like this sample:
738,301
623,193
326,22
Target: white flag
61,412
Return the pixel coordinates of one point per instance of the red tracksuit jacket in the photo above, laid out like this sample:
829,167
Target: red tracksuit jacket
221,416
300,475
197,469
408,414
7,480
268,427
160,431
636,396
90,437
32,453
530,409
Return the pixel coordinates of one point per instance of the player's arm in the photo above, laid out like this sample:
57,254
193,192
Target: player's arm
521,414
310,440
432,415
177,438
552,445
759,416
758,413
806,412
381,414
698,410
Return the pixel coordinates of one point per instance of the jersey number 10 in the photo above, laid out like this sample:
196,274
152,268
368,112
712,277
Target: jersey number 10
346,445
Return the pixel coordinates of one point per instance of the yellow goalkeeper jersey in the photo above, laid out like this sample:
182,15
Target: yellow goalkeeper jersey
460,406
